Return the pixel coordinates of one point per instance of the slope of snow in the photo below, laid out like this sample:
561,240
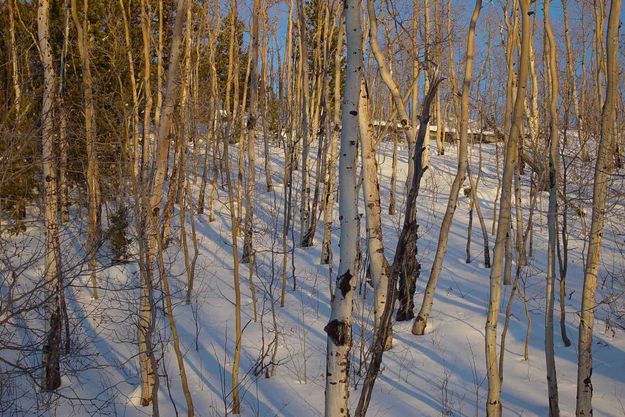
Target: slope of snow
441,373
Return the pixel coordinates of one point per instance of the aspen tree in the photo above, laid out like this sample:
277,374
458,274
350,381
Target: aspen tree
340,323
252,118
411,267
510,45
325,33
329,188
214,118
288,150
131,148
265,103
63,187
572,79
146,30
599,198
231,80
160,238
474,203
420,322
242,140
570,98
305,140
157,178
404,261
493,404
159,66
93,188
51,352
552,214
147,361
439,114
416,71
378,266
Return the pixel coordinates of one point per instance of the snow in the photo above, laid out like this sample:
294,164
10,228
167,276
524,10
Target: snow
440,373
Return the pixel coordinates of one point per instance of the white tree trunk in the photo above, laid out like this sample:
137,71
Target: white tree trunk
51,374
339,326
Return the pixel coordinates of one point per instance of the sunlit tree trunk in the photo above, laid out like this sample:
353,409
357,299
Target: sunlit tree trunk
600,196
411,268
552,214
493,404
15,79
93,189
339,327
420,322
378,266
329,188
51,374
252,119
265,104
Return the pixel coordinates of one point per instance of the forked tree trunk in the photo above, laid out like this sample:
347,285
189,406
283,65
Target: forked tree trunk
157,179
405,250
407,280
493,404
420,322
599,198
339,327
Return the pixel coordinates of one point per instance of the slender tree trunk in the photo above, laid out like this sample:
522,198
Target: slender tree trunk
252,118
329,189
51,374
572,80
420,322
404,261
339,327
493,404
157,179
265,104
93,188
378,266
600,196
407,278
552,214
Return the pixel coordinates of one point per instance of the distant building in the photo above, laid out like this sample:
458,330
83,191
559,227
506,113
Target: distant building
475,132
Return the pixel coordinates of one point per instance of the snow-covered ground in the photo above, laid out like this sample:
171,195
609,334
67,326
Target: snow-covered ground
439,374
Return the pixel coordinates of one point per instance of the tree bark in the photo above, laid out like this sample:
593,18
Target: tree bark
600,196
340,323
378,265
252,118
552,214
493,404
420,322
329,188
93,188
51,352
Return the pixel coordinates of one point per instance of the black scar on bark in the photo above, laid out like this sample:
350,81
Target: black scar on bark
344,283
338,331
